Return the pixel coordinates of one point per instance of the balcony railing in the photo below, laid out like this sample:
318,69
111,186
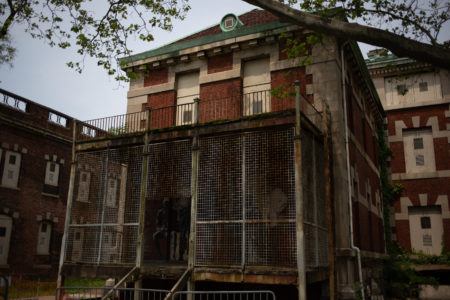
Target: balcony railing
227,108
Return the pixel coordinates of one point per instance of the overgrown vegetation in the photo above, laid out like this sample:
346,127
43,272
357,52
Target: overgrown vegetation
400,278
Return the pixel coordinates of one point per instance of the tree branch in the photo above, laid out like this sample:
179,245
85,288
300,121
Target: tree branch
399,45
8,21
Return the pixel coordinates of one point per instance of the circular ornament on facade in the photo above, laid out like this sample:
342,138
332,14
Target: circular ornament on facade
230,22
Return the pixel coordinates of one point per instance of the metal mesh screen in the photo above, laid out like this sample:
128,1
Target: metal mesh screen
168,201
314,201
246,200
246,211
105,210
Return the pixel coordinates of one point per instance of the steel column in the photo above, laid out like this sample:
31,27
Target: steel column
301,278
62,254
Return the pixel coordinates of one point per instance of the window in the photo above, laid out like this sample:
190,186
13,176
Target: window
45,231
188,89
83,186
426,228
401,89
5,235
229,22
52,173
420,160
418,143
187,116
111,193
419,150
256,86
427,240
425,222
77,247
423,86
11,169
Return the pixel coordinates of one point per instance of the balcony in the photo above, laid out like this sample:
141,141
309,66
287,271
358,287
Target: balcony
206,112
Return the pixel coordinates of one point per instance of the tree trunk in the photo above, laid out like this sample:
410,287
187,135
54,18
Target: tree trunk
400,46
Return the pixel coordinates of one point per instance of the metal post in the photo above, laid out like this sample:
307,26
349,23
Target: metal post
196,104
244,212
301,278
330,218
194,196
62,255
145,161
105,189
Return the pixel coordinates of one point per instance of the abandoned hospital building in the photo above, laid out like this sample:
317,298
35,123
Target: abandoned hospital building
214,180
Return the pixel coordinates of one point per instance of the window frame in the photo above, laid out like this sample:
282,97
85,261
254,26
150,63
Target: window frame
14,169
43,248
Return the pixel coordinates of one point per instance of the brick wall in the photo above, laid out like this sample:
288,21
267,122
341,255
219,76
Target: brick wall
220,100
220,63
29,202
157,76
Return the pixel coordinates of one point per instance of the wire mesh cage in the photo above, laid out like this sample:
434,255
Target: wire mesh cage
246,200
246,209
168,201
106,203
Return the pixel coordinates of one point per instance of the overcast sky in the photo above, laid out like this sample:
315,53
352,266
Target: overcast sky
40,73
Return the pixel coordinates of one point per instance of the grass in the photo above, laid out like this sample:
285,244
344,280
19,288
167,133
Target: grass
27,287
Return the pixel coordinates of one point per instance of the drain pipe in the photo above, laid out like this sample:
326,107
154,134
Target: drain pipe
350,204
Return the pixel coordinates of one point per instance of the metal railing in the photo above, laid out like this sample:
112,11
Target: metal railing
112,126
224,295
227,108
108,293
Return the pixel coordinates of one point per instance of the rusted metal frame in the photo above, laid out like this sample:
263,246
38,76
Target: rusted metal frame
179,285
243,250
62,255
249,221
301,278
119,283
194,195
142,208
330,213
316,225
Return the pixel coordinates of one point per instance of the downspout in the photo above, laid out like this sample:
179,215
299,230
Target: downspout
350,204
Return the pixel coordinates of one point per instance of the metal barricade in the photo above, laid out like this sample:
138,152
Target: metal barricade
108,293
224,295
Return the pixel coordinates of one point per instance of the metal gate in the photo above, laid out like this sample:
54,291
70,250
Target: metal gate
108,293
224,295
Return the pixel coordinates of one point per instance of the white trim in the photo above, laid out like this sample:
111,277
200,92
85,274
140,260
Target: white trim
422,175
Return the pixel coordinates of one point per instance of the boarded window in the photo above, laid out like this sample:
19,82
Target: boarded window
427,240
420,160
11,169
256,86
187,90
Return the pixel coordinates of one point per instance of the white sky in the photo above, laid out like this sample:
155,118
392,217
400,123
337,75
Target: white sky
40,73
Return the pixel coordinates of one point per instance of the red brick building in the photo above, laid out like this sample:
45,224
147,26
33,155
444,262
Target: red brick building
233,155
416,99
35,158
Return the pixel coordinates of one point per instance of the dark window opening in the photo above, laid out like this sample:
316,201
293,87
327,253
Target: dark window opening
425,222
418,143
423,86
12,159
